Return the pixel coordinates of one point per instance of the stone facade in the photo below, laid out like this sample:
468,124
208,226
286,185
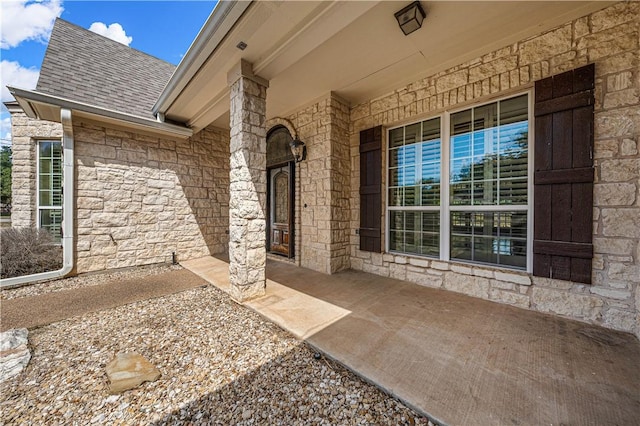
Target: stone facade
610,39
25,133
140,198
322,191
248,185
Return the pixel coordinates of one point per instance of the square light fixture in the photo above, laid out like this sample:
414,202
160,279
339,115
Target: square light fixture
410,18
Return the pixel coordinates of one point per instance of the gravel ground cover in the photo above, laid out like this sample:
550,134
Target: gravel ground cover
84,280
221,364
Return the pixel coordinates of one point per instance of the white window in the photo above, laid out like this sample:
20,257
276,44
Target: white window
50,187
458,185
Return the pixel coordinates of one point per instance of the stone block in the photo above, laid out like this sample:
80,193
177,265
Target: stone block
621,98
619,170
424,279
613,16
452,80
495,67
598,262
461,269
92,151
387,258
496,54
552,283
617,41
442,266
522,279
624,272
514,299
423,263
375,269
360,111
160,183
110,219
622,222
619,62
581,27
546,45
503,285
621,122
470,285
610,293
566,303
628,147
620,319
398,272
481,272
84,135
384,104
614,194
620,81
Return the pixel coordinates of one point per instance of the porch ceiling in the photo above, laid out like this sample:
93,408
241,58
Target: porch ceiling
355,49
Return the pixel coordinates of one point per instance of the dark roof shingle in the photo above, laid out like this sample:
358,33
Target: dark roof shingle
86,67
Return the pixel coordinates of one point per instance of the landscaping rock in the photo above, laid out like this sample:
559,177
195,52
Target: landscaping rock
129,370
14,352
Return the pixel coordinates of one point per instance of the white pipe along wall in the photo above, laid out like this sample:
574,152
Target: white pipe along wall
67,211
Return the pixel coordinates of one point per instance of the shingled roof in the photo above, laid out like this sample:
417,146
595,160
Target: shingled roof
82,66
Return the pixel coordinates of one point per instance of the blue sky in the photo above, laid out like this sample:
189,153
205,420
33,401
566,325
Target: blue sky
164,29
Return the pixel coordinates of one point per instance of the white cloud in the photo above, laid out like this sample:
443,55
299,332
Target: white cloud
5,128
27,20
114,32
13,74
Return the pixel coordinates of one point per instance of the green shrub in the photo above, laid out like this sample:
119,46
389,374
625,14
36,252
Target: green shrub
27,251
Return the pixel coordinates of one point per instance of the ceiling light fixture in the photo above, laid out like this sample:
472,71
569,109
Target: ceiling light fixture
410,18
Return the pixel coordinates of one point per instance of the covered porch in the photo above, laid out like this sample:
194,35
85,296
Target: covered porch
458,359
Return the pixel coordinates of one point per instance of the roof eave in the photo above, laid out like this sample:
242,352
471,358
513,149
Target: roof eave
223,18
35,103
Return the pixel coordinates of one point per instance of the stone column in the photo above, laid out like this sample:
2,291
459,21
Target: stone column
248,183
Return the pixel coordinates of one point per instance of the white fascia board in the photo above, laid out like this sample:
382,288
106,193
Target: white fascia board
218,25
29,99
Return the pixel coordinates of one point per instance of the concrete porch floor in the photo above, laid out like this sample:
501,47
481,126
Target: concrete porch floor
458,359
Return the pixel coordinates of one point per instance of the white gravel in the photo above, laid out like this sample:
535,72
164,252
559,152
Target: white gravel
221,364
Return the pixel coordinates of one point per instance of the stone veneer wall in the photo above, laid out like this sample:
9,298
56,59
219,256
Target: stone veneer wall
322,187
25,132
609,38
140,198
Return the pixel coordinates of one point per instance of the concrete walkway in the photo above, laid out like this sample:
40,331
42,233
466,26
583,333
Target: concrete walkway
34,311
458,359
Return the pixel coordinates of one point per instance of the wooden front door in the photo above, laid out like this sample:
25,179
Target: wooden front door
281,210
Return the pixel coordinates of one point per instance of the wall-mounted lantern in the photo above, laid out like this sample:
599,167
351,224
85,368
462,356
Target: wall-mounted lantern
298,149
410,18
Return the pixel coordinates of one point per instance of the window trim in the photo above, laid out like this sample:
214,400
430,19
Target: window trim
445,184
40,207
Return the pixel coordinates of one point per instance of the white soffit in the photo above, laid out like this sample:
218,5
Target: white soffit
277,35
356,49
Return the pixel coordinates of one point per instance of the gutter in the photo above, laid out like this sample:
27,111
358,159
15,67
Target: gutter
221,21
26,97
67,211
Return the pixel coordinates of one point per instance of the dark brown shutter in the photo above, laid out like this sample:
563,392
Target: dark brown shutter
563,182
371,189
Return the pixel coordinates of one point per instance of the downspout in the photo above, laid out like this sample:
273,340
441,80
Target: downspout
67,211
